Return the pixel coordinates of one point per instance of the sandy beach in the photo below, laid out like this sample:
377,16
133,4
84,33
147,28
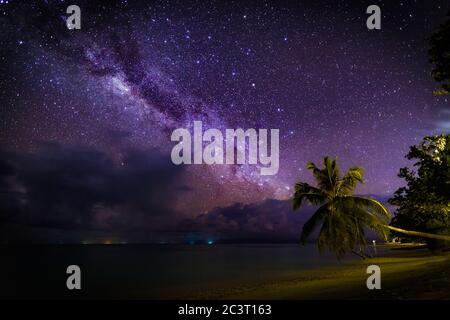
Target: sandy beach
405,274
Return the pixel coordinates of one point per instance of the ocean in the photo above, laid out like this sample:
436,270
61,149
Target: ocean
151,271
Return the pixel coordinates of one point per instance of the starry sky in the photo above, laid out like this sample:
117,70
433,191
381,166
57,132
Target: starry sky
86,115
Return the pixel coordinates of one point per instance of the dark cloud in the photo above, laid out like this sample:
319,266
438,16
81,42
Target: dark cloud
79,187
269,220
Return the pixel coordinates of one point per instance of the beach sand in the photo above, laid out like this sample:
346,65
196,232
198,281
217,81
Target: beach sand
405,274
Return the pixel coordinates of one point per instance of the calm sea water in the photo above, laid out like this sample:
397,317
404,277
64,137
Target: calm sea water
150,271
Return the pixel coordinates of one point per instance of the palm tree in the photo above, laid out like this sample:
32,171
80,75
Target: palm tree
344,218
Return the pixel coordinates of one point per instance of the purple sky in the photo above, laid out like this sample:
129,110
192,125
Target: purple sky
134,72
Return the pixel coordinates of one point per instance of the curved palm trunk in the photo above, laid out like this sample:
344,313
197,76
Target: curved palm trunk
420,234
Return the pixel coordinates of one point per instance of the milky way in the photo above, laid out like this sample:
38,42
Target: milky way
310,68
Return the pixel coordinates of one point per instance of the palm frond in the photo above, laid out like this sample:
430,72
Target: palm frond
371,205
372,222
304,191
350,180
324,177
339,230
318,174
313,222
337,234
332,171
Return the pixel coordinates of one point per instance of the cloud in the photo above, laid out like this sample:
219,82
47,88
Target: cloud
78,187
269,220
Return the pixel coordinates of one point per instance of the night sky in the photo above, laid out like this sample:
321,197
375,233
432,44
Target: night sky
86,115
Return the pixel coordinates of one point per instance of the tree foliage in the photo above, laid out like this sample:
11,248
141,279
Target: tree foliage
439,54
424,203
